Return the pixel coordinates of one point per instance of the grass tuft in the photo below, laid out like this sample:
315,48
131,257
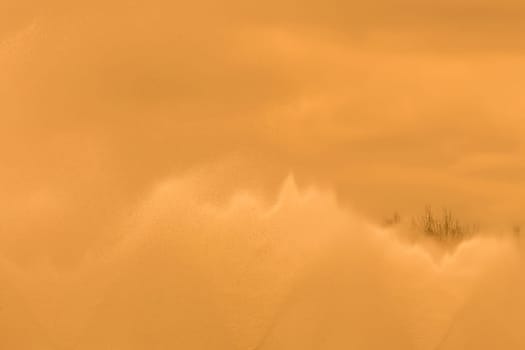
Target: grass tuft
446,228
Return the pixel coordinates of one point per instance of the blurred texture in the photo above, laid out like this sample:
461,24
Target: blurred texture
146,149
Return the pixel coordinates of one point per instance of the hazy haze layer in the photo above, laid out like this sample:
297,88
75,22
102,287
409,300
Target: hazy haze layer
143,151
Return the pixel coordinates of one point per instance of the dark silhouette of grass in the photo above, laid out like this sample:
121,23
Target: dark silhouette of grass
393,220
445,228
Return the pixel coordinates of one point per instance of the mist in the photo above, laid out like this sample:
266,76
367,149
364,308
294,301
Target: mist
209,175
184,269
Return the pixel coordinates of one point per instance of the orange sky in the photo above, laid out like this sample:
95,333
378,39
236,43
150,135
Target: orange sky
392,105
395,105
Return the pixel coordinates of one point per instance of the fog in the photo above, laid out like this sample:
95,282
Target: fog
183,269
218,175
